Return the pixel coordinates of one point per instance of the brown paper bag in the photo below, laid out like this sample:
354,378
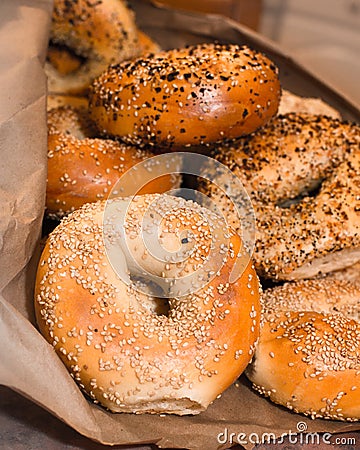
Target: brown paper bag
28,364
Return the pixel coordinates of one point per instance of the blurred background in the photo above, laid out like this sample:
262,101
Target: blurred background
323,35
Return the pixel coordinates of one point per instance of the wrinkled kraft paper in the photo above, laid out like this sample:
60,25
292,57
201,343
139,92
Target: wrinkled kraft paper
28,364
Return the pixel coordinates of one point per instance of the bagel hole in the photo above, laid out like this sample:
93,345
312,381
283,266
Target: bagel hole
64,59
152,299
312,193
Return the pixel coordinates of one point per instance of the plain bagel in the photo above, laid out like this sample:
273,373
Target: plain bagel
130,351
308,356
187,96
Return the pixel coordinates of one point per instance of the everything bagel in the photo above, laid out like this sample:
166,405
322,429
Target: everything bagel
85,38
301,172
188,96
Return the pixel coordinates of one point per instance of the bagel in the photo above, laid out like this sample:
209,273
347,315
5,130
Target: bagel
86,37
188,96
290,103
308,356
64,61
83,168
147,44
301,173
132,352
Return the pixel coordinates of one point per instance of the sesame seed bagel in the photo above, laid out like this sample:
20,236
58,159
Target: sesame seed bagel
131,351
83,168
187,96
301,172
308,356
88,36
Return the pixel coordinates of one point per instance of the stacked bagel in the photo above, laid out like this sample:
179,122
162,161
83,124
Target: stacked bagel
86,37
83,167
302,173
169,100
141,331
299,162
307,358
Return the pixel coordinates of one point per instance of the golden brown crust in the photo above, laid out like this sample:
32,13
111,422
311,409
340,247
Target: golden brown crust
99,33
308,356
83,168
188,96
120,349
299,234
147,44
